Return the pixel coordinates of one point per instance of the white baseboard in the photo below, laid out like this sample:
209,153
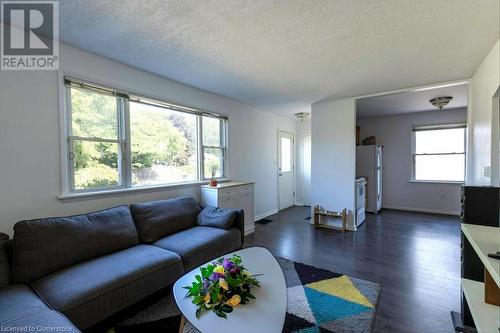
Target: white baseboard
266,214
424,210
249,230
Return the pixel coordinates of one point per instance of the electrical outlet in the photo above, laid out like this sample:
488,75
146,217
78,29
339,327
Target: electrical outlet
487,171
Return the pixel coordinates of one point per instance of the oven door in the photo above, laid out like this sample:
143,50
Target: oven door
360,194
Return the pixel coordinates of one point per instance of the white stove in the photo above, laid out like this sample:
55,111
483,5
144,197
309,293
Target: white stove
360,200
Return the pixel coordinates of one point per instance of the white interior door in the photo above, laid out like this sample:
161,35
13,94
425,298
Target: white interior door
306,170
285,170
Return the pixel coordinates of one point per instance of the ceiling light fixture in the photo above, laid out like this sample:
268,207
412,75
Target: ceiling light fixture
302,115
440,102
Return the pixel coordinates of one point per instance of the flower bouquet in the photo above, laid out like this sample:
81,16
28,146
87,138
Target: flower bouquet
221,286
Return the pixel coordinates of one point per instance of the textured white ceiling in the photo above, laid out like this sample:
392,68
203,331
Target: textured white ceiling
284,55
410,101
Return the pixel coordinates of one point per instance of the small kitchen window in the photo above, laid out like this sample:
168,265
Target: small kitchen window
439,153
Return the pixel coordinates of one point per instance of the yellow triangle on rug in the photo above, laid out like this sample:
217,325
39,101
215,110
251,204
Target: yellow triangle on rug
341,287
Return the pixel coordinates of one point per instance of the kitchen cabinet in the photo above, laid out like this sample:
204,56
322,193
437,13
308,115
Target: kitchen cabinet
234,194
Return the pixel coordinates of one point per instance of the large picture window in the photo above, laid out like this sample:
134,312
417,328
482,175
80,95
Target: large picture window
119,140
439,153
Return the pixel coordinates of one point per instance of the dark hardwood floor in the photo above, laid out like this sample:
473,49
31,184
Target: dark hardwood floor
414,256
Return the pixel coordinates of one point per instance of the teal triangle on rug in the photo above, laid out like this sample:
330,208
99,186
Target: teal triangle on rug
327,307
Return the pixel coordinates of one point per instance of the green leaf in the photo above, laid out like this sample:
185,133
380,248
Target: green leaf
198,299
227,308
232,282
221,314
215,295
198,312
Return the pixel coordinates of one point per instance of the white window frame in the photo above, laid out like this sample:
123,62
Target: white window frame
222,147
123,139
417,128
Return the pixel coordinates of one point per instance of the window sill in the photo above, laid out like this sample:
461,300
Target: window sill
132,190
436,182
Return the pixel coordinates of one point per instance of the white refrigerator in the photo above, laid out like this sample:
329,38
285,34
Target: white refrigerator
369,165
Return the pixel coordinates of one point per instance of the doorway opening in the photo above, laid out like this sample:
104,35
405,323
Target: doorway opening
306,169
411,150
286,170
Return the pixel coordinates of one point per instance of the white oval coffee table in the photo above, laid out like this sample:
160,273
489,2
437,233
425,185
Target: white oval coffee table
266,313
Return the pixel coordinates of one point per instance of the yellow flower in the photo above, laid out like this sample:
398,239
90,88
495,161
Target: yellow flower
235,300
206,298
219,269
223,284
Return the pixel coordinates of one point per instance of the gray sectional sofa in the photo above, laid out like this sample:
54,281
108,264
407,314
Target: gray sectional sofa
71,273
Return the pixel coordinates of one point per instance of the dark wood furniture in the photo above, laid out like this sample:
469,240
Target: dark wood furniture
480,218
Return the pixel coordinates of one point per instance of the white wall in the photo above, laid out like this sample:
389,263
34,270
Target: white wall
302,128
30,138
394,133
483,86
333,155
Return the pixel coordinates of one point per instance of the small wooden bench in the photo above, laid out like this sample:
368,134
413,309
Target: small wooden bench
318,212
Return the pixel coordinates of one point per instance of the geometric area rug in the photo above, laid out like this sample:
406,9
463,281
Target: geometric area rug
324,301
319,301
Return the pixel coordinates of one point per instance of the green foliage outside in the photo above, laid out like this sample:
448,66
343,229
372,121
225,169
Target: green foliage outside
161,138
94,116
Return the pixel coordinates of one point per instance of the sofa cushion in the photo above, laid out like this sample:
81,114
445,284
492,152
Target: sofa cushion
199,245
157,219
47,245
217,217
93,290
4,261
24,311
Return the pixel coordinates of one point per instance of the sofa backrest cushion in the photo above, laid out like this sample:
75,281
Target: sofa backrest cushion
46,245
157,219
4,260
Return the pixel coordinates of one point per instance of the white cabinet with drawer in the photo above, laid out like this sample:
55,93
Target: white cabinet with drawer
232,195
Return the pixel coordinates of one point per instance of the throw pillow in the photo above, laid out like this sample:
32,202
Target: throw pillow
217,217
